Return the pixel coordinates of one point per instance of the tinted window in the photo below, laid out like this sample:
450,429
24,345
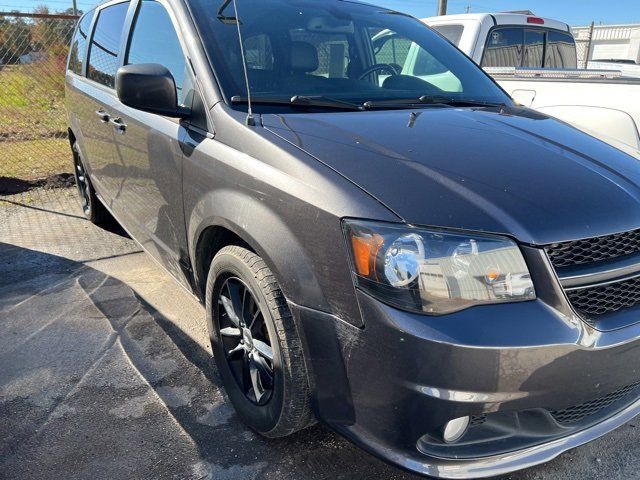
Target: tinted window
453,33
79,44
394,51
105,43
533,48
154,40
561,51
504,48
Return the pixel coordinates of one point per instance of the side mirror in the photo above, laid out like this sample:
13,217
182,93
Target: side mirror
149,87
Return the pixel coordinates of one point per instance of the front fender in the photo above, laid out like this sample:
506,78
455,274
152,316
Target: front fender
283,203
270,238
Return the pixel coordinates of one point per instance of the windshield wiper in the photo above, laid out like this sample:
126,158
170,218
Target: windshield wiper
466,102
301,101
433,100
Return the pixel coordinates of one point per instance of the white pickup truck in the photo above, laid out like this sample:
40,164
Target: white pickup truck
534,60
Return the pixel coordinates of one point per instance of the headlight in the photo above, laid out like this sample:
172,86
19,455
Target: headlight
436,272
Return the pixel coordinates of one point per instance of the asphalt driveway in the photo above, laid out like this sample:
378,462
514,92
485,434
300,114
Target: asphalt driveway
105,372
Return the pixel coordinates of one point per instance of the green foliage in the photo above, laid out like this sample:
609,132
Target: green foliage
33,121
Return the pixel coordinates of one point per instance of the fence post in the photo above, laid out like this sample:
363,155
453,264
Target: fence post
588,53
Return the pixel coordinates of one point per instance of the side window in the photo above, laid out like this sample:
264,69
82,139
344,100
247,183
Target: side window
154,40
258,52
533,48
561,51
427,65
453,33
504,48
105,43
79,44
332,48
393,51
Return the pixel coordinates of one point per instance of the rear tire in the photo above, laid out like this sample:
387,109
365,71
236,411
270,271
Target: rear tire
286,409
92,208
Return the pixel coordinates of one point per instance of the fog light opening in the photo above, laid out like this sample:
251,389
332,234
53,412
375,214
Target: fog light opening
455,429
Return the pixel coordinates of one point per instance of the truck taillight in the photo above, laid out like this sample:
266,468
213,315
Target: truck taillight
536,20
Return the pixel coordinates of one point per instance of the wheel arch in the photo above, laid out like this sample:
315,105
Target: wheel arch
242,220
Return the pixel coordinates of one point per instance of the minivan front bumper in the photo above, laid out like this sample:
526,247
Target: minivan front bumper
391,386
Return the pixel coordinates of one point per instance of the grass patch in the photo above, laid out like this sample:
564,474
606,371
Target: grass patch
32,101
35,159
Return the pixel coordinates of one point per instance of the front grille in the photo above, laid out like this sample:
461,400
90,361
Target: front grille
593,301
595,249
577,413
609,298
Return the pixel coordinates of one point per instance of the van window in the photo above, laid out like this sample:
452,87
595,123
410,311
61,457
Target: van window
105,43
154,40
561,51
453,33
79,44
504,48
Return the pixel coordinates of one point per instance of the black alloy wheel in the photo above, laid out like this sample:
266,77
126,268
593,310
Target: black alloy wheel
255,342
82,182
92,209
246,341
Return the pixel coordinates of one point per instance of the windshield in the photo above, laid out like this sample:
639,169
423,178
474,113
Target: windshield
335,50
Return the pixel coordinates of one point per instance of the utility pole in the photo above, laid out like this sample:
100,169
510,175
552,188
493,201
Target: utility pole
442,7
468,8
75,8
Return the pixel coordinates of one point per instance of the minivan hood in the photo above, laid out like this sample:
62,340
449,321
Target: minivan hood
512,171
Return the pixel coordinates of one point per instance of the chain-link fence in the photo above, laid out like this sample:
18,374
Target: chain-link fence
33,131
583,37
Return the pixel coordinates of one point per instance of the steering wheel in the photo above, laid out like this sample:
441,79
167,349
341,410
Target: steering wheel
387,67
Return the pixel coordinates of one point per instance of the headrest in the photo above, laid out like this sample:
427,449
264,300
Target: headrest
304,57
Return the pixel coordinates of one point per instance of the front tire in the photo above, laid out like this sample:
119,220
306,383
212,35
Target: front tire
255,344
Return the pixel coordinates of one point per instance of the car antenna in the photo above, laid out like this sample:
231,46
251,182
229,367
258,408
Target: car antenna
229,20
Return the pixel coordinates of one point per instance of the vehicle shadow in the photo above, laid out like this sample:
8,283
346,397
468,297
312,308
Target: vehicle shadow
97,383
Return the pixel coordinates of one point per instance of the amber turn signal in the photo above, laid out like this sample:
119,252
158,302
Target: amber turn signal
365,251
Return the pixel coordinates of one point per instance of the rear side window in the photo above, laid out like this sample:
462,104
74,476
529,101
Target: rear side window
79,44
154,40
105,43
453,33
561,51
394,51
504,48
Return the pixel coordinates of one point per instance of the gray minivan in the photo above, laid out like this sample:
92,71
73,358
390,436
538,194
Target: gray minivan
446,278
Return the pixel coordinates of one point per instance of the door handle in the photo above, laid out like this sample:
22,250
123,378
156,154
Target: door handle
119,125
104,116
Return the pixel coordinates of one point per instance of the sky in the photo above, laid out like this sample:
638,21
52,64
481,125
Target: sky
573,12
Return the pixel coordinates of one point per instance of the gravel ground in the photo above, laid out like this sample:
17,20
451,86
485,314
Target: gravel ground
105,372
